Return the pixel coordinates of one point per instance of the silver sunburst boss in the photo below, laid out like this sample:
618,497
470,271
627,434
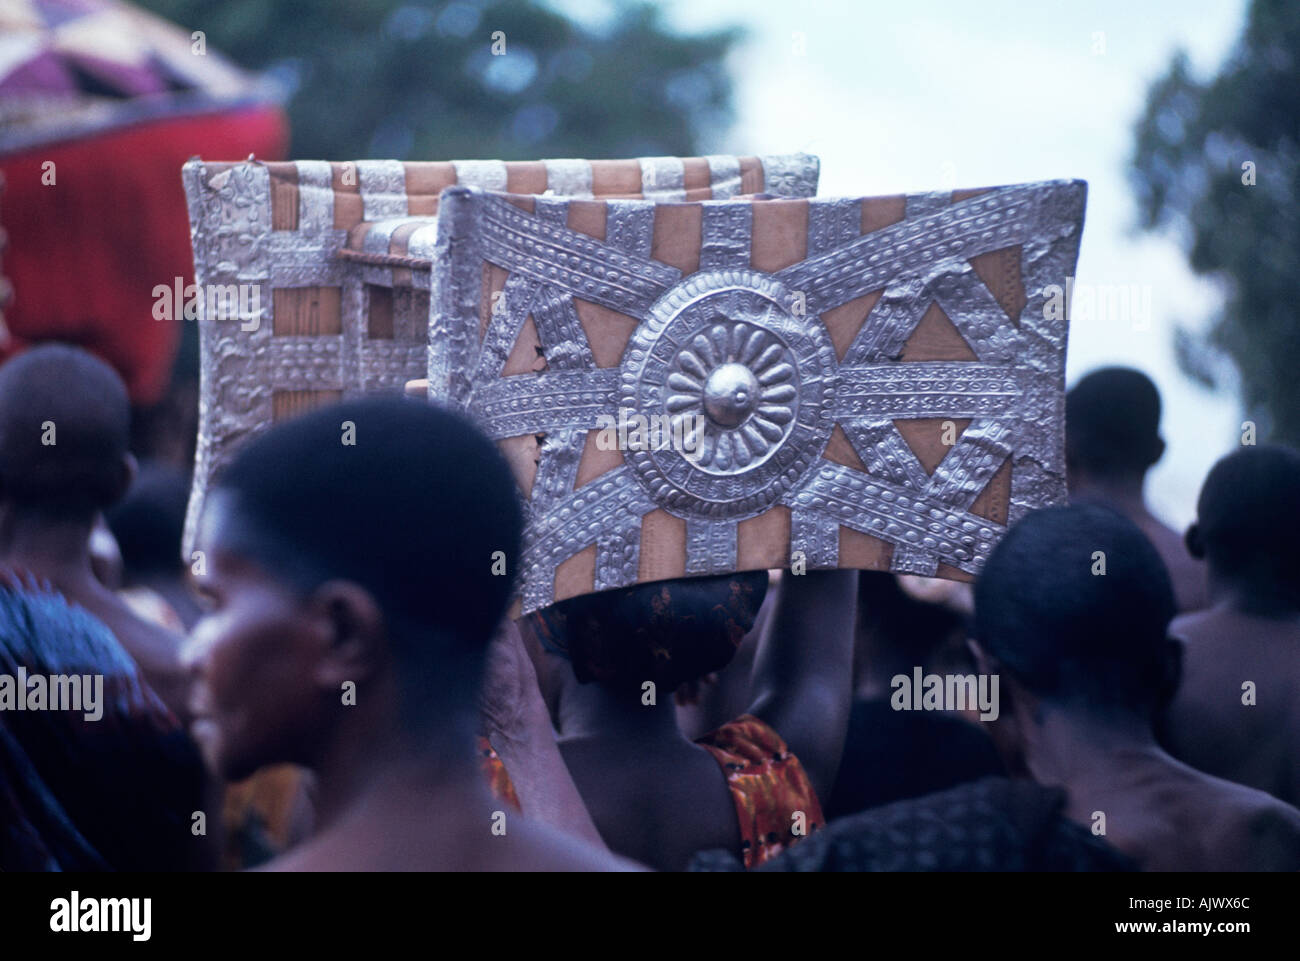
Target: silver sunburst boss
871,382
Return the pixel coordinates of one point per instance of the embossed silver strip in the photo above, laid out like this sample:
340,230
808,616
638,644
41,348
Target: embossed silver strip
928,389
552,210
790,175
971,306
569,178
724,176
510,312
453,301
832,222
817,535
486,174
911,248
1032,487
924,204
884,453
304,363
574,524
618,554
424,241
280,276
585,267
557,468
663,178
315,196
560,332
896,513
387,364
907,559
355,325
726,234
967,469
380,235
540,403
307,249
383,188
629,227
710,546
890,323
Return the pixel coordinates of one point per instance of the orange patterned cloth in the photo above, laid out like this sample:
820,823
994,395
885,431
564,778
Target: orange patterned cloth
768,786
495,772
265,815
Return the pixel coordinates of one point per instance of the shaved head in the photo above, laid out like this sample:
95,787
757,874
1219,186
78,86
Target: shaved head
1247,520
1112,422
64,431
1066,631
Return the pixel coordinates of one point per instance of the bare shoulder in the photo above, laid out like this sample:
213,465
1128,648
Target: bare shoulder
544,849
1274,832
1259,832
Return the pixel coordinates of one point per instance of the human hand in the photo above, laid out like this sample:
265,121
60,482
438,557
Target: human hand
510,704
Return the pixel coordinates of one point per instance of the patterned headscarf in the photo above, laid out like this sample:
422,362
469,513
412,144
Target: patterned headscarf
667,632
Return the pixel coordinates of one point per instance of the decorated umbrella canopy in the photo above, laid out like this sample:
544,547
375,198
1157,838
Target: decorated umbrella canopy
100,105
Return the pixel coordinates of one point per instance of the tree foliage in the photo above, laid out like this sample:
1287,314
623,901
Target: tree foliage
1218,162
419,79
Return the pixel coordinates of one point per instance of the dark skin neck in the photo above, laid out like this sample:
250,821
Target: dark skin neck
56,549
1125,491
1061,747
367,752
1253,594
392,799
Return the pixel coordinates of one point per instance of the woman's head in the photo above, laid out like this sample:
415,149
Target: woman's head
361,550
667,632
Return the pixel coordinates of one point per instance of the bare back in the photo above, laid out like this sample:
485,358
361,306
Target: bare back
409,834
657,805
1169,817
1237,711
1187,573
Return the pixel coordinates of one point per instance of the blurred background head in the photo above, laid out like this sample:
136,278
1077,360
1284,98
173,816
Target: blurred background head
1112,426
65,425
1073,604
1248,522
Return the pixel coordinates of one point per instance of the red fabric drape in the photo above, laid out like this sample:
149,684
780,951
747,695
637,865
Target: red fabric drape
86,253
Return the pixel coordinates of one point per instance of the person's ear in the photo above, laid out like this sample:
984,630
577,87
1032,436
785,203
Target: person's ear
127,472
1157,451
986,663
1195,541
355,626
1006,730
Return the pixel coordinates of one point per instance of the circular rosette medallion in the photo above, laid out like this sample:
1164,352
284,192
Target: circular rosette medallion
736,390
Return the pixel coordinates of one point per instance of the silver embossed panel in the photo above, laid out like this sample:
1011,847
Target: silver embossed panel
739,384
329,269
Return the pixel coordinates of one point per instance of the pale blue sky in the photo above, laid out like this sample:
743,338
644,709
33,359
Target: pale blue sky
922,95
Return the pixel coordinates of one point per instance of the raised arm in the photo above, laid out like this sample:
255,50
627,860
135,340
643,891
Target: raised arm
802,682
518,726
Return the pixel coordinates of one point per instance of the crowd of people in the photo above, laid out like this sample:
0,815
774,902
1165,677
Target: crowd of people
330,681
